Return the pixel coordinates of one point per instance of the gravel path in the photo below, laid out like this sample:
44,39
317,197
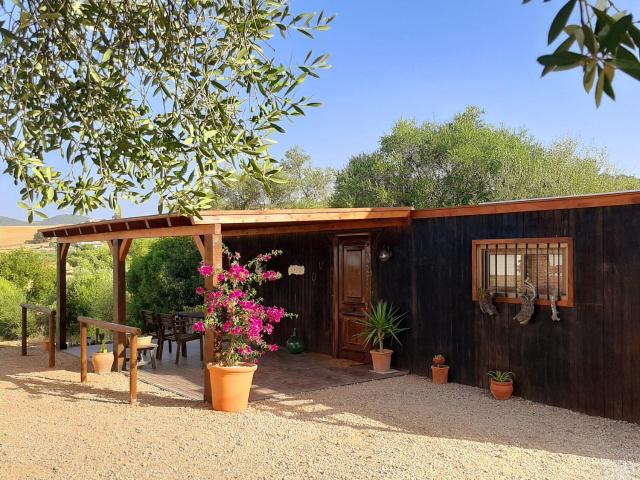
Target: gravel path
51,426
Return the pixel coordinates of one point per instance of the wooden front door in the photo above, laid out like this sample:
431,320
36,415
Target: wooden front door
353,295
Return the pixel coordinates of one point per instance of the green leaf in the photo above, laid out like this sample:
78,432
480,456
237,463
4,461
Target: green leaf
560,20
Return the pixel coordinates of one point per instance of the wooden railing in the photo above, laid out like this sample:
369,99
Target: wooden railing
51,315
133,353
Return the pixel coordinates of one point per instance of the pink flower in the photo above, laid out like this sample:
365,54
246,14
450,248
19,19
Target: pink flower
226,327
239,273
274,347
200,291
236,331
235,294
198,327
271,275
205,270
275,314
268,328
221,277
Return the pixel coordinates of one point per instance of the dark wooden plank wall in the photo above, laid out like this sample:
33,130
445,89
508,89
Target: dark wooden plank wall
587,362
308,295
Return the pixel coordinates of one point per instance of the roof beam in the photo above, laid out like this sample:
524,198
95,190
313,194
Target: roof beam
180,231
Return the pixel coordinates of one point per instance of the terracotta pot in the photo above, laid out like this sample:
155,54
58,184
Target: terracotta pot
381,360
102,362
230,386
440,374
45,345
501,390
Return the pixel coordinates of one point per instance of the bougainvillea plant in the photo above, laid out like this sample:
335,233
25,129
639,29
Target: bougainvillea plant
236,312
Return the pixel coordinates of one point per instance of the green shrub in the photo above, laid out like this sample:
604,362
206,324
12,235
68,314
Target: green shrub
90,294
11,296
90,257
32,272
163,278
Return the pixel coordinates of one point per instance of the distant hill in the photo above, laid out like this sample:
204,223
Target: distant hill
11,222
55,220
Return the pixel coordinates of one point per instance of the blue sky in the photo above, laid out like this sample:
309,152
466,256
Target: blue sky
429,60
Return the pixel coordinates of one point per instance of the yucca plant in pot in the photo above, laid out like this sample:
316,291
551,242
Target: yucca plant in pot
381,322
239,320
501,384
102,361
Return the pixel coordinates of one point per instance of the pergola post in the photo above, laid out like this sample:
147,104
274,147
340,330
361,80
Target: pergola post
210,247
119,251
61,295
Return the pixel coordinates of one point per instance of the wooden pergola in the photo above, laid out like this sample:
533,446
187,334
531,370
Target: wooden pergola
208,232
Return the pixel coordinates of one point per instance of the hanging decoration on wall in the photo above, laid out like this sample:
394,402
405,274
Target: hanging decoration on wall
528,296
555,315
485,301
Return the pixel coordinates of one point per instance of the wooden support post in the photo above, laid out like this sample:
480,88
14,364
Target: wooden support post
52,339
61,289
24,330
212,255
133,369
83,352
119,249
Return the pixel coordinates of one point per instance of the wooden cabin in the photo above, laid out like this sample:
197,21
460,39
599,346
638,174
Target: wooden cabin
581,253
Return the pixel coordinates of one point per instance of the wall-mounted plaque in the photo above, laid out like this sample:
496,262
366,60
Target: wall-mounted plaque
296,270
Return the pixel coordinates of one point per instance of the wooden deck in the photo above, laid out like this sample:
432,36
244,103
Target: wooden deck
278,373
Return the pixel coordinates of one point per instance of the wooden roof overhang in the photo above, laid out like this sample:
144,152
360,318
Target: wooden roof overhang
232,223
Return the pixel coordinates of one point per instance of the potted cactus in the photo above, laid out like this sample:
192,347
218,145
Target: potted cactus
382,322
501,384
439,371
102,361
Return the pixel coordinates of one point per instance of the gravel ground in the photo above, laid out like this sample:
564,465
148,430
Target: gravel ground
51,426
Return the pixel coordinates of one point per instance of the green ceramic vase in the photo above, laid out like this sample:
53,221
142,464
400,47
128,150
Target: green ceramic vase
295,343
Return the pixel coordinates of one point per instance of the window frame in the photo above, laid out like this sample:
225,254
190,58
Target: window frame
568,302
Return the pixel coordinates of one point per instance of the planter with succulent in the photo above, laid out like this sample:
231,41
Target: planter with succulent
102,361
501,384
439,371
381,322
239,320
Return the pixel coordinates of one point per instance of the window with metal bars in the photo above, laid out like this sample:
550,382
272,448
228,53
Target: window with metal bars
502,267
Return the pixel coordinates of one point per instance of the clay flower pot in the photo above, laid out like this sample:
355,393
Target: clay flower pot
501,390
440,374
102,362
230,386
381,360
45,345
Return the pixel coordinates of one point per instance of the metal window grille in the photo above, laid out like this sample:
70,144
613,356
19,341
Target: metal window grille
506,266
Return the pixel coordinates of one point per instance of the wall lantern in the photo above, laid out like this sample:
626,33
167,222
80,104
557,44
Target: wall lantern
385,254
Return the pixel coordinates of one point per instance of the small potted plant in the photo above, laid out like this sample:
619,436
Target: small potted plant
382,322
236,316
439,371
103,360
501,384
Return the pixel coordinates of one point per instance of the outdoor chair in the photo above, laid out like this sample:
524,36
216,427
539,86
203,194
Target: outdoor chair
164,322
148,319
183,330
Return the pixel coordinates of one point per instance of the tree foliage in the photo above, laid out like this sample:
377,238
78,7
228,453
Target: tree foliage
90,257
158,98
165,277
91,294
598,37
298,185
11,296
467,161
31,272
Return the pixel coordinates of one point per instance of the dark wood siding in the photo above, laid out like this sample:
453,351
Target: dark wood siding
585,362
308,295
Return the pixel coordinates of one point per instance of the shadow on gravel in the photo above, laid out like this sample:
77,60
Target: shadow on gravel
413,405
25,373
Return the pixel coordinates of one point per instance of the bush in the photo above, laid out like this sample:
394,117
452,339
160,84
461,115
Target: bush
90,294
11,296
31,272
164,278
90,257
